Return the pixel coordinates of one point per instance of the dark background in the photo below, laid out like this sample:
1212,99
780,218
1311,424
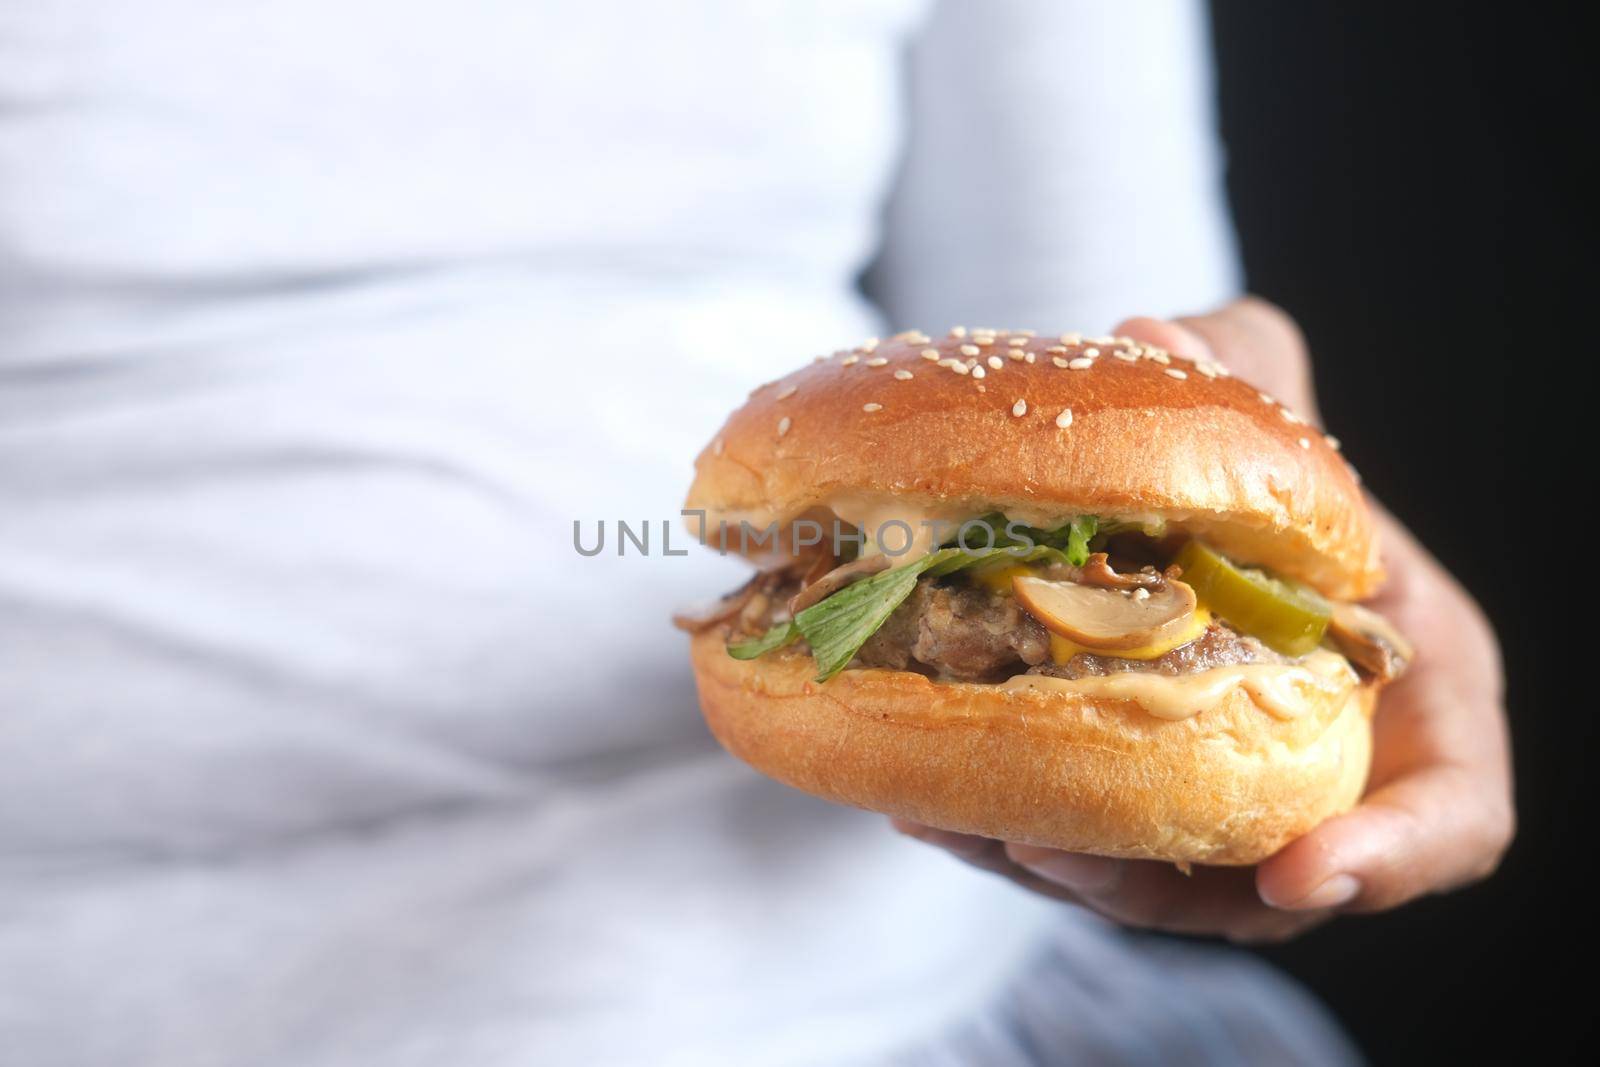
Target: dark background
1397,174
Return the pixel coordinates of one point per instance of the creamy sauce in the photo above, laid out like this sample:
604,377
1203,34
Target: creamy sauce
872,513
1285,690
875,515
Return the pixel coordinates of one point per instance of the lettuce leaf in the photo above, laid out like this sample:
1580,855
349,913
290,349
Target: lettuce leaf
1071,540
1080,532
775,638
837,627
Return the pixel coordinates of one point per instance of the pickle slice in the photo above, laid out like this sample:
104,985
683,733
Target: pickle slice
1284,616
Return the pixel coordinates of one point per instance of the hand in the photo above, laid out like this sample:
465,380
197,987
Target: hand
1438,811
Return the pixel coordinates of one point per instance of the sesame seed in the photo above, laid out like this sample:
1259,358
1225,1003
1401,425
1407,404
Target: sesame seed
1290,417
902,375
969,350
871,407
1126,357
1020,408
930,354
869,345
1159,355
787,391
958,331
1207,368
877,362
985,340
1305,442
783,425
1094,352
1333,442
1030,358
1266,398
851,358
1056,350
1058,361
1064,419
1023,333
1017,353
1174,372
961,368
979,372
1017,342
1102,340
996,362
1072,338
1080,363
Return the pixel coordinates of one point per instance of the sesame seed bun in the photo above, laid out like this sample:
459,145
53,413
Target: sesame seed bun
1043,426
1216,767
1228,786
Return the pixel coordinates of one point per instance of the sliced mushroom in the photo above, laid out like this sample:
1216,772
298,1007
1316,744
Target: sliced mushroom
755,609
835,580
704,616
1107,619
1097,571
1370,641
818,568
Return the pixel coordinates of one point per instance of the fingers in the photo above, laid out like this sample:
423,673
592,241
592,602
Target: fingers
1431,831
1440,812
1250,336
984,854
1157,896
1175,338
980,852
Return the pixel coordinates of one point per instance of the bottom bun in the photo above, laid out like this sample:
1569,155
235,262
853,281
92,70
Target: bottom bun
1229,786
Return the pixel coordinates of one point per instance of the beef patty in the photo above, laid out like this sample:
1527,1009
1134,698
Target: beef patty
965,633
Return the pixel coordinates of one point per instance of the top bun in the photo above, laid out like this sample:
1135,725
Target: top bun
1044,428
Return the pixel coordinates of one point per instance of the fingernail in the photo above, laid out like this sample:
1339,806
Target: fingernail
1340,889
1075,871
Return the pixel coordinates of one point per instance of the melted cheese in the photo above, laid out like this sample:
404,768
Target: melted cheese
1285,690
996,577
1063,649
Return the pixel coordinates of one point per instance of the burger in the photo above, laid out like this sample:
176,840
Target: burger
1064,591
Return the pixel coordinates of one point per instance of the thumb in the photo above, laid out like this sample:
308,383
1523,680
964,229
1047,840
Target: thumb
1172,336
1426,832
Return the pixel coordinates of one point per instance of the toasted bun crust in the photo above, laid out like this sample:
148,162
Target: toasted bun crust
1230,785
1150,435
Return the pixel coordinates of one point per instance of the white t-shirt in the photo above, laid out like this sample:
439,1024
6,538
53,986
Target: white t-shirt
320,325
